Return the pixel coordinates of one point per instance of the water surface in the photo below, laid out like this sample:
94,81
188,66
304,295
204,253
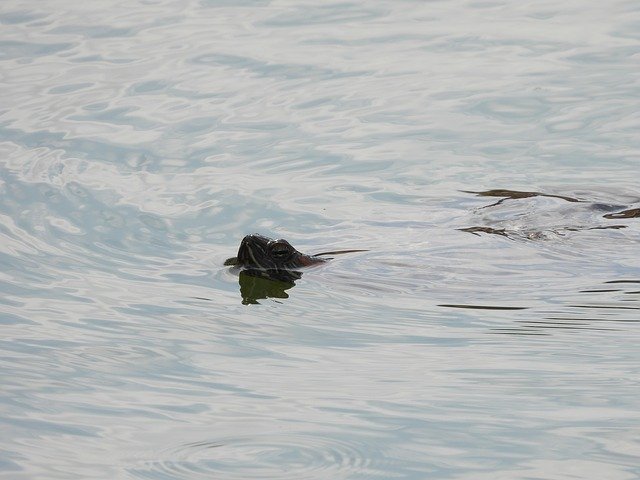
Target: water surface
485,153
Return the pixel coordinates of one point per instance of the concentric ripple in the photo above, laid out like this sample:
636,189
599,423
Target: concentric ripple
282,456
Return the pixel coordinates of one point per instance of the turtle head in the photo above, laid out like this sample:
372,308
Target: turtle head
264,253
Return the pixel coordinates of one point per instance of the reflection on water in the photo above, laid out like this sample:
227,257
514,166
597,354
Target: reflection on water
514,195
630,213
482,307
260,284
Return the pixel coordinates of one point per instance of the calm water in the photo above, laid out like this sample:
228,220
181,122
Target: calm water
485,334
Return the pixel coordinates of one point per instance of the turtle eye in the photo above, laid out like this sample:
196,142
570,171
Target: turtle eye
281,250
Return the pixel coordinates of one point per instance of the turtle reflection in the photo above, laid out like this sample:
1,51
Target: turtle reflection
254,288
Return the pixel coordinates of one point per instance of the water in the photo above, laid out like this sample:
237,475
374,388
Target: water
483,335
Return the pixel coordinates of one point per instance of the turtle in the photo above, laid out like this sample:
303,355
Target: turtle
275,259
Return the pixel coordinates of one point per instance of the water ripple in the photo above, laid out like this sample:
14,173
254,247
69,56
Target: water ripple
268,456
